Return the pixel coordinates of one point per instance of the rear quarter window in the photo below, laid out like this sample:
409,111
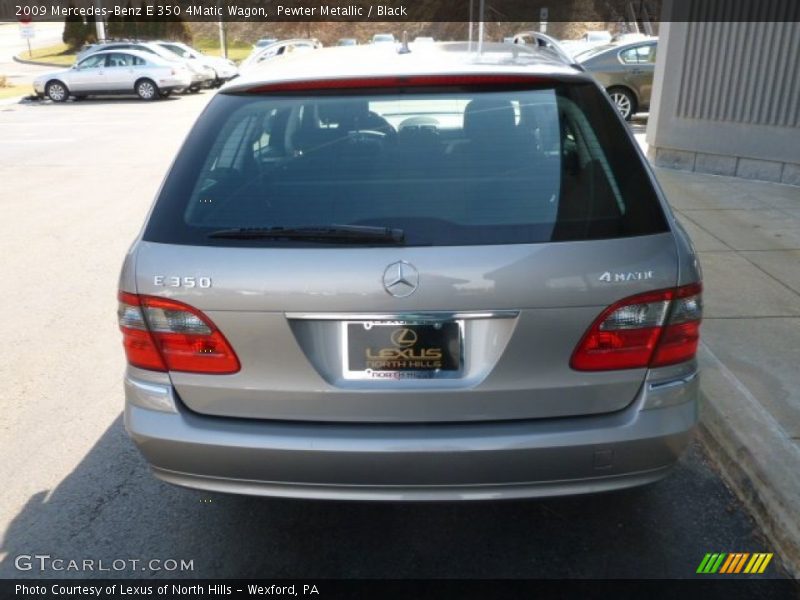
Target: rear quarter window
449,167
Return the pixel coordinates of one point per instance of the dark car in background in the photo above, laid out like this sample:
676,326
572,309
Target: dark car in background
625,71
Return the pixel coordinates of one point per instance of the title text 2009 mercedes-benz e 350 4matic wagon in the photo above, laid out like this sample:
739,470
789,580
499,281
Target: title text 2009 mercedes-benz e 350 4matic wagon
420,276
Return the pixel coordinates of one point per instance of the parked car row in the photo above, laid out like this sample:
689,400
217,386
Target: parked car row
149,70
148,76
624,66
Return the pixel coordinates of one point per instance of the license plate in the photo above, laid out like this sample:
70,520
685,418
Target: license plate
403,350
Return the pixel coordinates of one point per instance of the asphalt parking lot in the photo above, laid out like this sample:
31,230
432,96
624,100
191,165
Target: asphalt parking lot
77,181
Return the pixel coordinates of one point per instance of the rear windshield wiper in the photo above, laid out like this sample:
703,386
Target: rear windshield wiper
326,233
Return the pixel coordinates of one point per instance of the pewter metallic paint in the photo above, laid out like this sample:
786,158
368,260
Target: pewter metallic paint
519,423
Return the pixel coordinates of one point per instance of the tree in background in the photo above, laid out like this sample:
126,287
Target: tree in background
175,29
90,30
178,31
114,27
78,31
131,26
124,27
74,34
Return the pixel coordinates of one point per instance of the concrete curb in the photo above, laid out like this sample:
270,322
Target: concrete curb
35,63
755,456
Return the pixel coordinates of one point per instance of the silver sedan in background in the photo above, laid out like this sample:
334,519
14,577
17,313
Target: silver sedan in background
202,76
115,72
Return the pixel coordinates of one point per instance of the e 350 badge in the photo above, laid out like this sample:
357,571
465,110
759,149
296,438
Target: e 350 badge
178,282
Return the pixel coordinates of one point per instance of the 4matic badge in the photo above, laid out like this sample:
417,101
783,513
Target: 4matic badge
610,277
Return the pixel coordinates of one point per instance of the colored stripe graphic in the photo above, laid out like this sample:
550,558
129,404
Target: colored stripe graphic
703,563
767,558
717,563
733,563
727,564
744,558
754,563
711,562
736,567
758,563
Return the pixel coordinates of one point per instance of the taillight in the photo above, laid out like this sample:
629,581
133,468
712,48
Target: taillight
166,335
654,329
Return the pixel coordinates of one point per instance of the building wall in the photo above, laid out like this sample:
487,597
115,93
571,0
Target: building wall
727,99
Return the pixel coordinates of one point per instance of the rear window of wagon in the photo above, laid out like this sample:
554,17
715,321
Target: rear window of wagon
449,167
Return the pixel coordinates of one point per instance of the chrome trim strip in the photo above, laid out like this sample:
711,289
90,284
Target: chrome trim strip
409,316
663,385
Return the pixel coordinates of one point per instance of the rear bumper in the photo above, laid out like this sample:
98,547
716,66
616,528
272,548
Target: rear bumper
227,75
509,491
173,83
202,79
415,462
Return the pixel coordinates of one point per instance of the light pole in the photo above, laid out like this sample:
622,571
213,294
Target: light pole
470,25
223,38
99,24
480,26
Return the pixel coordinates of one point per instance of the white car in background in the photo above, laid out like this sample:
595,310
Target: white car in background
542,41
265,41
281,48
224,69
587,41
383,38
115,72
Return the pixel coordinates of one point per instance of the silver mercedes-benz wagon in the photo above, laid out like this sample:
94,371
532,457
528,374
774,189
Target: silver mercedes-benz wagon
428,275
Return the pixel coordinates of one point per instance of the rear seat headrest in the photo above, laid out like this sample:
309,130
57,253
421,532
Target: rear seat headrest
489,117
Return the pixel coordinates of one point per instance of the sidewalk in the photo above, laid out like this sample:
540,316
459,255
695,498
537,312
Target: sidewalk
747,235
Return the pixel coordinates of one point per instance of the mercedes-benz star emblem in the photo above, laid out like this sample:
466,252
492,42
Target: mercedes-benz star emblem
400,279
